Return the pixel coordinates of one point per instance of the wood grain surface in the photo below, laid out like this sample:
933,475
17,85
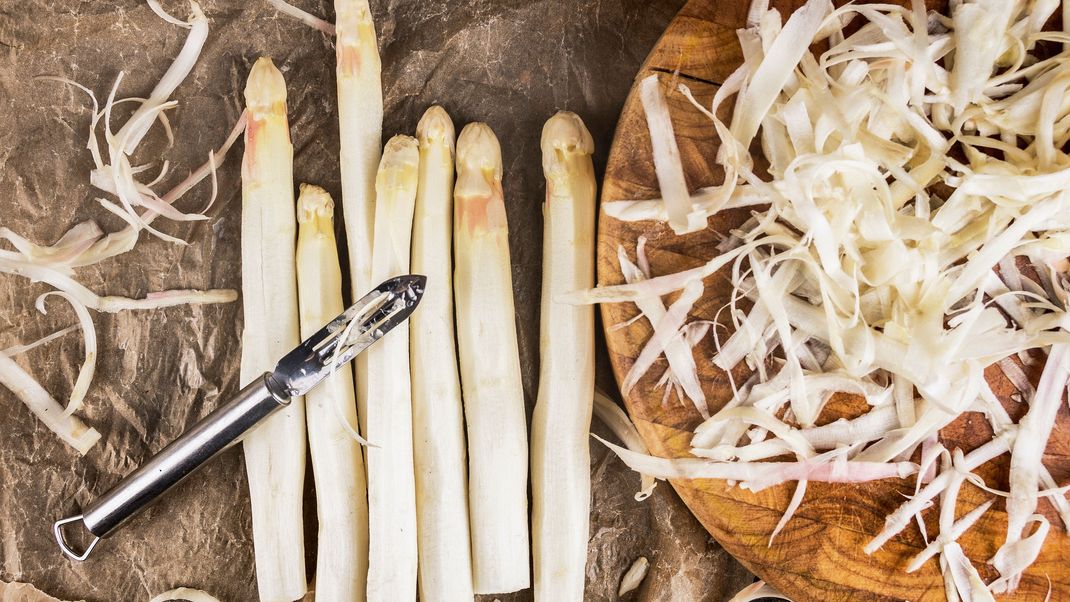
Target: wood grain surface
819,555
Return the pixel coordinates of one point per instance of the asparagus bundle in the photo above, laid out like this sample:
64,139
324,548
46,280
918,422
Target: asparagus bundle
331,410
560,456
274,452
438,419
392,555
490,368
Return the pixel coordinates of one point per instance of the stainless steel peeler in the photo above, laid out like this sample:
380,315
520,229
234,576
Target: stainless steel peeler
365,322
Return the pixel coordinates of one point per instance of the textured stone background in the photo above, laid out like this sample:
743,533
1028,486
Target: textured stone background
511,63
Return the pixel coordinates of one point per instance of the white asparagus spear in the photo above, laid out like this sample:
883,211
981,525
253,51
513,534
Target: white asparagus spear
560,427
360,128
392,554
275,451
490,368
337,460
437,413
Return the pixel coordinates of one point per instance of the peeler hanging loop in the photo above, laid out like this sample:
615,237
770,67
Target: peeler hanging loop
61,539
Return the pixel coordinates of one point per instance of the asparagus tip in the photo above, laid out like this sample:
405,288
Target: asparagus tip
566,132
351,13
478,149
400,152
478,195
435,126
266,88
358,50
314,202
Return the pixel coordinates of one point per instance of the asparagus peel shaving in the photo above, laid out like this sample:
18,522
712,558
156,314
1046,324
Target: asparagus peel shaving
86,243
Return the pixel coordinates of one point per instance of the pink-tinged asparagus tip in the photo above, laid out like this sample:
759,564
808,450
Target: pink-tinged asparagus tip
479,200
265,90
435,127
478,150
315,205
566,132
355,32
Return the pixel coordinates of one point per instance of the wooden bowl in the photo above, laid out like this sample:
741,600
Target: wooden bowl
819,554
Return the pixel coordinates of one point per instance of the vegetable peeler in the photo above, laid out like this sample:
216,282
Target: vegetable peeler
363,323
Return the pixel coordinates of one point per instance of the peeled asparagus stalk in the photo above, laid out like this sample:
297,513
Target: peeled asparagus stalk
490,368
275,451
437,413
392,554
337,460
560,453
360,126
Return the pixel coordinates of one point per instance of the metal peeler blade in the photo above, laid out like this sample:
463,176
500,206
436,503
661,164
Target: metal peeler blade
363,323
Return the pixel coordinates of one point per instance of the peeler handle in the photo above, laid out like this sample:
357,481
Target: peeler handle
181,458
